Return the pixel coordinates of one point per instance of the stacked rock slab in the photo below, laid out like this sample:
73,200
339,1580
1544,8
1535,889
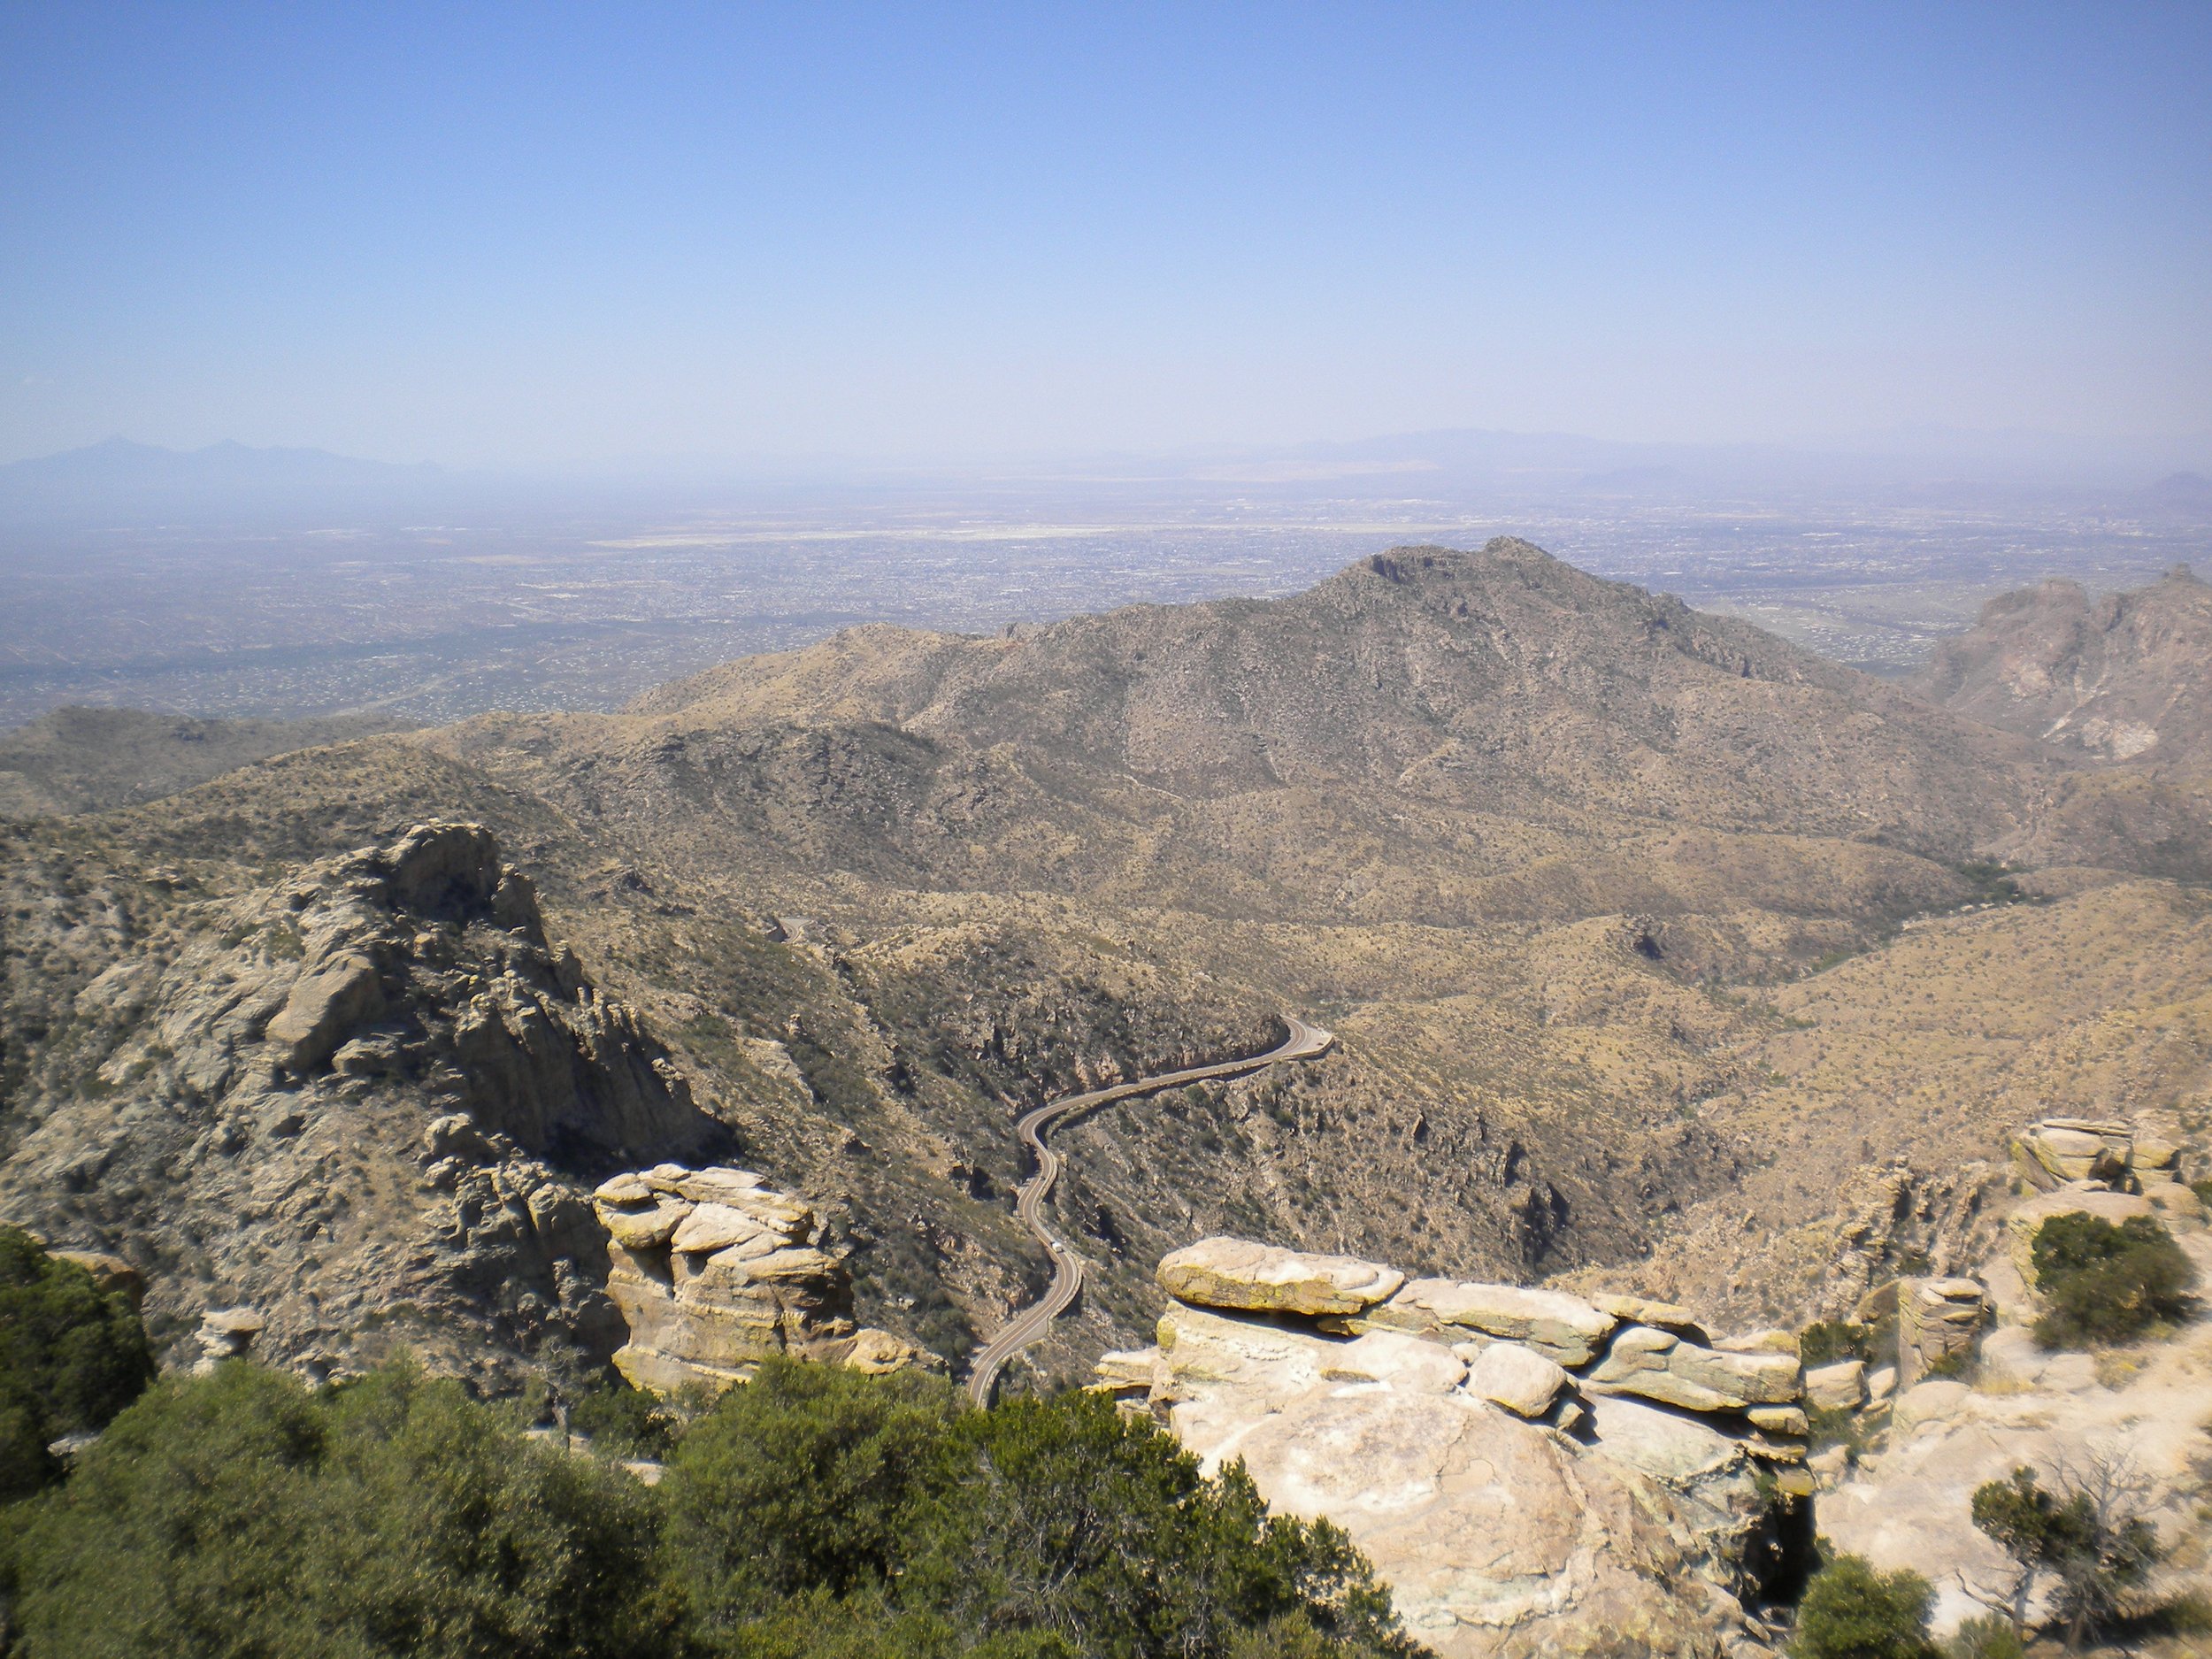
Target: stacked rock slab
1531,1472
713,1272
2061,1149
1938,1320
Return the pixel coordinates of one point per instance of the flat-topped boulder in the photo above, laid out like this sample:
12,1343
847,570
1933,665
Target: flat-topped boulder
1237,1273
1660,1365
2059,1149
1565,1329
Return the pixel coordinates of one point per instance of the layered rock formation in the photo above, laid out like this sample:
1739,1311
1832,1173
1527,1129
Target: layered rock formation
713,1272
366,1102
2133,1415
1532,1472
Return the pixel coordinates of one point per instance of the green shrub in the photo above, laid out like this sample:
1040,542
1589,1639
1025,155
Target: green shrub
801,1480
2104,1284
1057,1526
1066,1518
1827,1341
813,1514
71,1356
241,1515
1985,1636
1850,1612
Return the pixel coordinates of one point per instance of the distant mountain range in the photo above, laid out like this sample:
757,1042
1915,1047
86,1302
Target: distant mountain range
120,478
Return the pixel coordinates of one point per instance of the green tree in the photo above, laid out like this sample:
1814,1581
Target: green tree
800,1481
2088,1533
1851,1611
241,1516
71,1356
1064,1518
2107,1284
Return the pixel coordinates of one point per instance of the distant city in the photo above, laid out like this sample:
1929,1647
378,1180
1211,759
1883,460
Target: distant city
582,608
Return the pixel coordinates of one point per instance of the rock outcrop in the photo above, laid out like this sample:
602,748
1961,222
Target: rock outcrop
713,1272
368,1100
1516,1505
1939,1322
2134,1414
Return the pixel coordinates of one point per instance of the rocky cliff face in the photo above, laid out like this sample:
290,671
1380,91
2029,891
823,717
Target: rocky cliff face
368,1101
2124,679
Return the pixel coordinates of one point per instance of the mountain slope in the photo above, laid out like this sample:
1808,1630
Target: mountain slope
1550,854
85,760
2127,678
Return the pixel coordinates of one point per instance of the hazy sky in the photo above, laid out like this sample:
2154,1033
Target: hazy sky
540,234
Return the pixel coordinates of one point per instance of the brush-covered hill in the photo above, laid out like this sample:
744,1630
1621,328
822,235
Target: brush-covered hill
1427,736
84,760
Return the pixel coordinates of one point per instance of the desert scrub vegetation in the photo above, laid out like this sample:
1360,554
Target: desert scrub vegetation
71,1356
813,1512
1851,1611
2087,1535
2105,1284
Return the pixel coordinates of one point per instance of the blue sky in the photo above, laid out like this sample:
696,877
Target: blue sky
547,235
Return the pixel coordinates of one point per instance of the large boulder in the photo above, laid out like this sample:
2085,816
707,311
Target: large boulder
1660,1365
713,1272
324,1005
1565,1329
2075,1149
1516,1377
1237,1273
1838,1387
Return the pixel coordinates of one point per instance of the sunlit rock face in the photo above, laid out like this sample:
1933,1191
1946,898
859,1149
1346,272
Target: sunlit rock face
1531,1472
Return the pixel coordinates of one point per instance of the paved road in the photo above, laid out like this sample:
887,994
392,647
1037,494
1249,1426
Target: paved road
1305,1042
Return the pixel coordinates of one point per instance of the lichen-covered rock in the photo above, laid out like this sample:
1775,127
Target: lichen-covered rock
1659,1365
1664,1316
1838,1387
1937,1320
2076,1148
1236,1273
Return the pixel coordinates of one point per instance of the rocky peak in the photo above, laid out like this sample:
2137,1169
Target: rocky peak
368,1101
2119,679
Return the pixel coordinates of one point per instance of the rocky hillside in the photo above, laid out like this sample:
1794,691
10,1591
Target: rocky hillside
2126,678
1644,934
360,1100
84,760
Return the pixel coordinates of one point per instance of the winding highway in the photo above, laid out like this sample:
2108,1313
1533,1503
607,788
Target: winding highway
1305,1042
